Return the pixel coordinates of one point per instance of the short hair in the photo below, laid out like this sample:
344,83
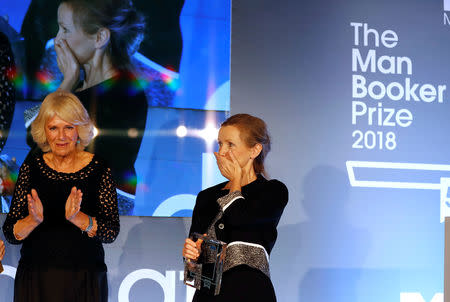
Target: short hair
253,130
125,23
67,107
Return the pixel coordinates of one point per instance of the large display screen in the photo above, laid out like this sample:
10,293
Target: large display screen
156,121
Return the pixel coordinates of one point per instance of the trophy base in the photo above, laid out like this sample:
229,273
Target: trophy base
206,274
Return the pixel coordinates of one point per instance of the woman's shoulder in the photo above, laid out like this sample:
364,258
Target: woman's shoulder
272,188
277,185
271,184
33,157
99,162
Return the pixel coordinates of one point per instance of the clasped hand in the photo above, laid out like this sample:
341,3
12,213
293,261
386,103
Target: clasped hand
192,249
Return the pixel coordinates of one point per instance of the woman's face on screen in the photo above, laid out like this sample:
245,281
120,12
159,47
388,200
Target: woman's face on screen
81,44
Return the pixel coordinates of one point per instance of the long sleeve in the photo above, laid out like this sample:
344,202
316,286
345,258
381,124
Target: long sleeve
19,204
107,210
196,217
205,209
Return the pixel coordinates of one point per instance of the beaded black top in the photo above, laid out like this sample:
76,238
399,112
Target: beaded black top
57,242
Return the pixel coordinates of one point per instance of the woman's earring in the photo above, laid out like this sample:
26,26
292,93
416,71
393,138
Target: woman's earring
78,141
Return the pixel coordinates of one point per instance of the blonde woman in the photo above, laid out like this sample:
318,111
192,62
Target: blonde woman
63,208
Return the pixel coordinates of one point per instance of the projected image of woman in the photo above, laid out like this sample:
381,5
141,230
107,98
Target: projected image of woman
94,43
243,212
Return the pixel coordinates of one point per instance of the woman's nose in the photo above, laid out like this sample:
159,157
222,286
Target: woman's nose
222,150
58,38
61,134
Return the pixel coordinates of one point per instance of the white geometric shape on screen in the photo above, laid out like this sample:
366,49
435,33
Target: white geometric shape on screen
146,61
9,271
220,99
210,172
447,5
442,185
392,183
174,204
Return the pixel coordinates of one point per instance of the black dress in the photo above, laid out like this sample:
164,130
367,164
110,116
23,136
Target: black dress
118,107
252,221
58,261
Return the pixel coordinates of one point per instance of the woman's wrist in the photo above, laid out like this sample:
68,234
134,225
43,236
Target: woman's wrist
235,185
93,231
80,220
68,84
32,221
22,228
85,223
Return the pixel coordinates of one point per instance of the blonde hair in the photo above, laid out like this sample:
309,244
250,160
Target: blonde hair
67,107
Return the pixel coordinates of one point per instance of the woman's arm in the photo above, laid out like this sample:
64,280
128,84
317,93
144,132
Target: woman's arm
106,221
18,217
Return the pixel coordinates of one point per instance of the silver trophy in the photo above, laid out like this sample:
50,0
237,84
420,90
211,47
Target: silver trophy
206,272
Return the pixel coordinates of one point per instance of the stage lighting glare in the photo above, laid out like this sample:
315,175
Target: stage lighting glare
209,134
96,131
181,131
132,132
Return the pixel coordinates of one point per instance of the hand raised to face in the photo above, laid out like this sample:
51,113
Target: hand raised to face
67,63
229,166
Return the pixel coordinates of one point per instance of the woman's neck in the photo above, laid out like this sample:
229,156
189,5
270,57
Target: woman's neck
248,177
66,163
97,71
